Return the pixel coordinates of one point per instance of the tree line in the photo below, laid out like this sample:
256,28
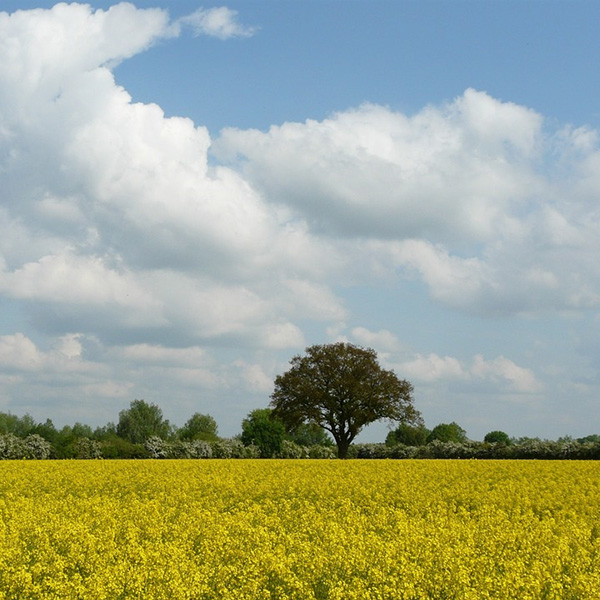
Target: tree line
142,432
317,408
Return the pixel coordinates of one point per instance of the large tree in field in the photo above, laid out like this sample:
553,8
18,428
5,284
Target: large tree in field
342,388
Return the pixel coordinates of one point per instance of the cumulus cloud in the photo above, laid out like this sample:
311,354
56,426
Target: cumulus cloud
221,22
462,195
499,373
382,340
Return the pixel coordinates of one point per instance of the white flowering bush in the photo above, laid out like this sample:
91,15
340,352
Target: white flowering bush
292,450
36,447
85,448
11,447
156,447
321,452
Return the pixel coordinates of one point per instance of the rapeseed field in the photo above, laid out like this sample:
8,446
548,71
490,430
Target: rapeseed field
285,529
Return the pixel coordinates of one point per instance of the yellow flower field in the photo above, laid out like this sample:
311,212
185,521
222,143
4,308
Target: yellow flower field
261,529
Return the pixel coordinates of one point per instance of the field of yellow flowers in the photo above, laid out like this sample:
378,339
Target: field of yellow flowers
266,529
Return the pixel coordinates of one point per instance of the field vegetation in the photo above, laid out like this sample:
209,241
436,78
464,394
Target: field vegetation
312,529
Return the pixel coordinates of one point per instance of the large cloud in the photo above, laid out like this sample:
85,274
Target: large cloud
467,195
121,223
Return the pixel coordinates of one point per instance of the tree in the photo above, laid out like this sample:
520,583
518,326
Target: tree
310,434
408,435
497,437
141,421
260,429
342,388
448,432
199,427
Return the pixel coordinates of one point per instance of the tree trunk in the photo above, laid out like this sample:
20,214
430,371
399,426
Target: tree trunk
343,446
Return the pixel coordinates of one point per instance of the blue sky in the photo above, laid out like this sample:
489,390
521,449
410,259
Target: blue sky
194,193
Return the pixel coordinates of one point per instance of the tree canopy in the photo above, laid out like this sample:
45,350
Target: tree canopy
448,432
260,429
341,387
142,421
199,427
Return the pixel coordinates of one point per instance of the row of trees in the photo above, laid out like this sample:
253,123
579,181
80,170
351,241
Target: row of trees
125,439
142,432
326,398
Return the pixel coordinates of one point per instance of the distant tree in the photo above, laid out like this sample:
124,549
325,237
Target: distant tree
310,434
9,423
448,432
261,429
593,438
497,437
341,388
409,435
142,421
106,431
199,427
19,426
47,430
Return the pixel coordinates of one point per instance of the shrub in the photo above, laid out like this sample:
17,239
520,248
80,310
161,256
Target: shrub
85,448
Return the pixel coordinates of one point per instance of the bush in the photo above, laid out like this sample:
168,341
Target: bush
37,448
117,447
85,448
290,449
11,447
156,447
322,452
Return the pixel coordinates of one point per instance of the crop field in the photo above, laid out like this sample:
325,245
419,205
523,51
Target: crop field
266,529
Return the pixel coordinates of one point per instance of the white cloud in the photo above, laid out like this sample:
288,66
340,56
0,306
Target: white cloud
18,352
382,340
450,172
502,369
500,374
221,22
454,192
431,368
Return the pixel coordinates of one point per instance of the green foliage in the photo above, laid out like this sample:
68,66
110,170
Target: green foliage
408,435
199,427
142,421
117,447
310,434
48,431
18,426
341,388
593,439
497,437
260,428
86,448
448,432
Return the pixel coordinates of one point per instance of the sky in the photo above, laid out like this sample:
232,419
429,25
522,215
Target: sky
191,194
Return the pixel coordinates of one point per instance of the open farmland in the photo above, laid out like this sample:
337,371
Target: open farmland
261,529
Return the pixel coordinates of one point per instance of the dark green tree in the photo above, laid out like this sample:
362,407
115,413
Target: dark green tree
448,432
341,388
142,421
9,423
497,437
199,427
310,434
19,426
47,430
408,435
261,429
